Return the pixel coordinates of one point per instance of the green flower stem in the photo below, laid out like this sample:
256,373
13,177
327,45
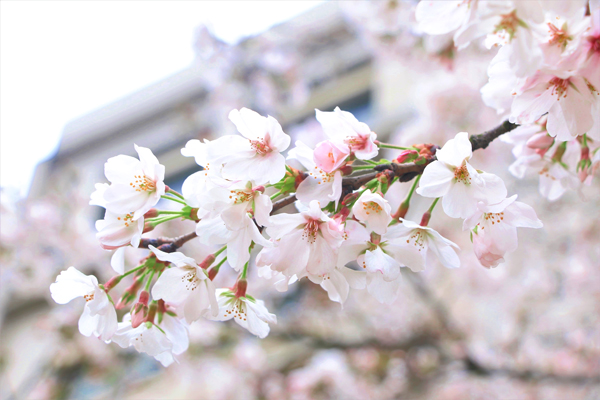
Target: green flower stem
147,287
220,263
276,195
174,199
222,249
403,208
361,167
175,193
244,271
163,212
160,220
131,271
433,205
391,146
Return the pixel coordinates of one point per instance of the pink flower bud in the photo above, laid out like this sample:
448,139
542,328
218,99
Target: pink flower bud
407,156
140,310
148,227
207,262
346,170
540,141
260,188
212,273
112,282
151,213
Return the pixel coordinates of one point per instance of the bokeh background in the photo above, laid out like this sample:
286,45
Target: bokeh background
529,329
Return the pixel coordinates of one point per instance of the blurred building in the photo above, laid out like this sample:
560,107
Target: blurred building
330,63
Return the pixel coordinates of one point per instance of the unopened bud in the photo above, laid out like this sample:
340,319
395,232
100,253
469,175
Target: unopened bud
407,156
151,213
240,288
342,215
112,282
130,293
148,227
212,273
140,309
352,197
540,141
402,210
260,188
151,312
346,170
207,262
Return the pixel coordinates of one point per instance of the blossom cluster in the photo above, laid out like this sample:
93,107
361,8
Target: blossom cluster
339,239
345,234
546,72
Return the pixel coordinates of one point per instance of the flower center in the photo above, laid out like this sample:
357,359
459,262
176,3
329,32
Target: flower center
322,176
127,219
417,239
240,196
142,183
190,281
358,142
371,206
461,174
558,36
508,24
238,311
89,297
559,87
310,231
260,147
494,218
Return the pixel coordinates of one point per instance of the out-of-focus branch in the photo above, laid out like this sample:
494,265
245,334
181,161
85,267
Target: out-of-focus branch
173,243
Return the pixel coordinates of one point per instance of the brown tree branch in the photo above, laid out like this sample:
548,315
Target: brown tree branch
404,172
482,140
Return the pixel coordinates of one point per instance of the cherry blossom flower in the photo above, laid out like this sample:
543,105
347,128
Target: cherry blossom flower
99,317
248,312
116,231
318,185
374,211
136,185
160,343
495,232
330,156
311,236
338,282
566,98
185,285
238,202
454,179
440,17
214,231
423,239
343,129
196,185
255,157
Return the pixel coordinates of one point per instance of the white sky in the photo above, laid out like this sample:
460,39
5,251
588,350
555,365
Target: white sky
60,60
